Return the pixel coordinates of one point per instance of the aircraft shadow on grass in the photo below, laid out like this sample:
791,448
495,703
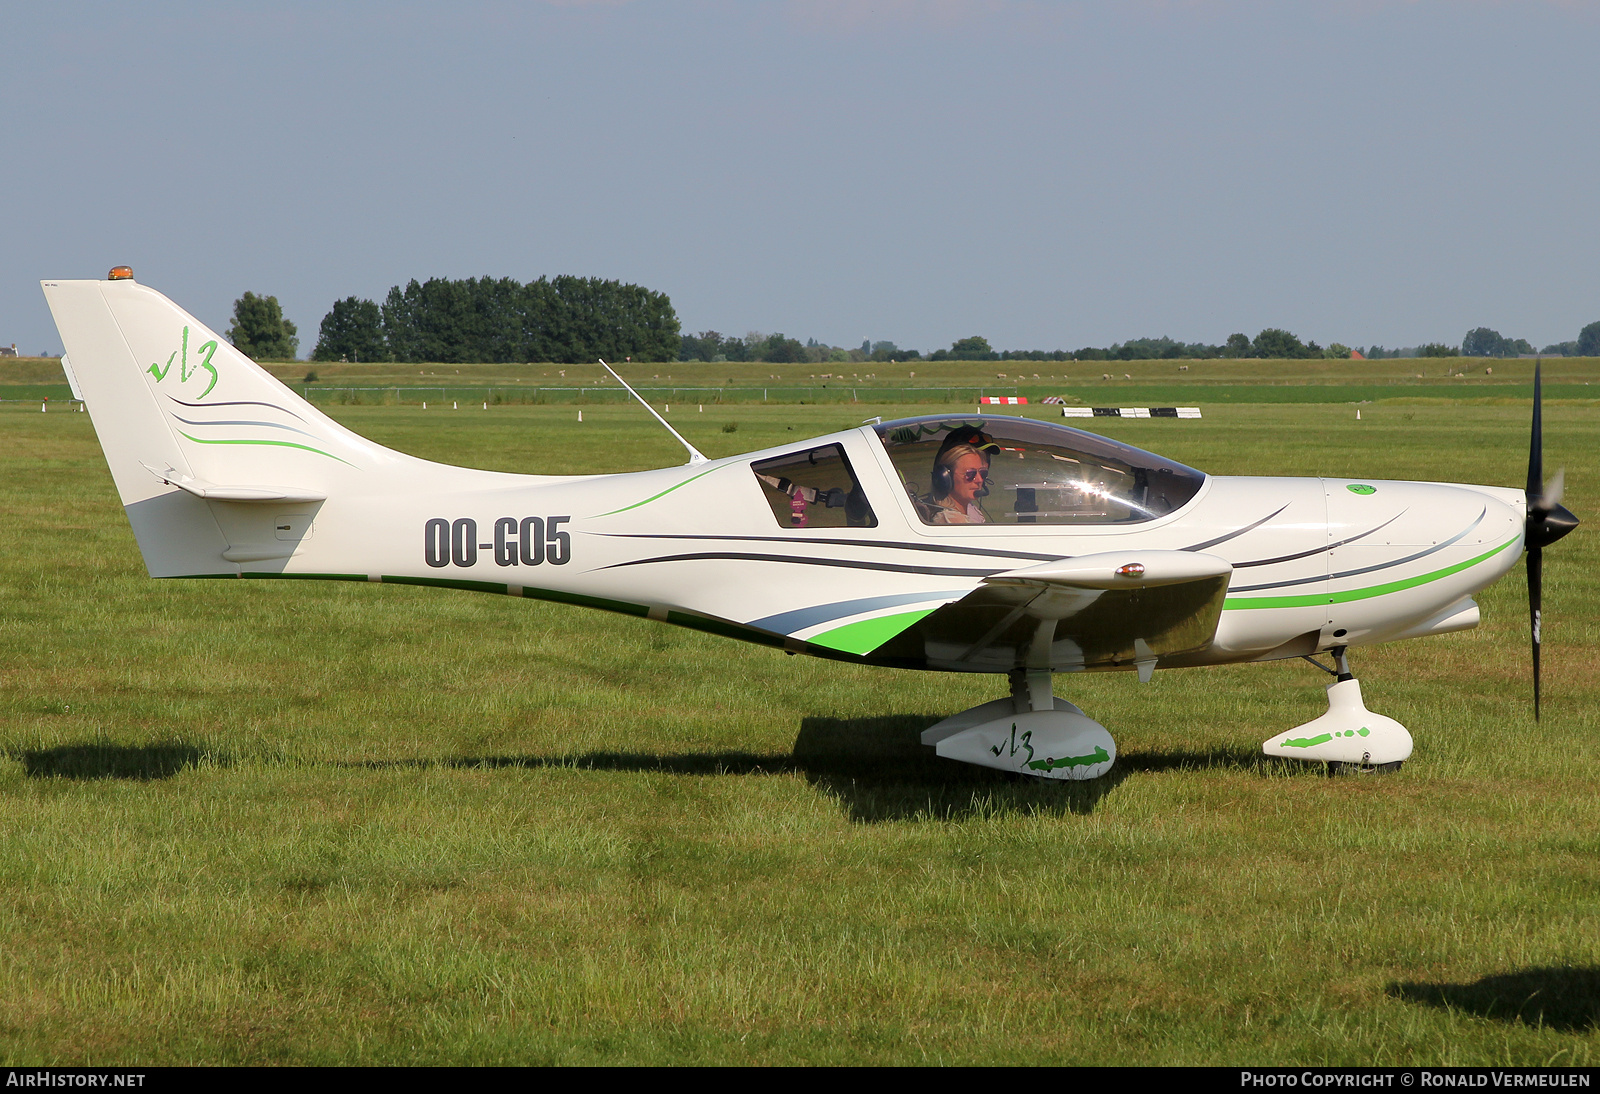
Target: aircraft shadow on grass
1564,997
139,763
878,770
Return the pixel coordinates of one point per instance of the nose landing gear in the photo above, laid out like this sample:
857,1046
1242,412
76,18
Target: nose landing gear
1349,737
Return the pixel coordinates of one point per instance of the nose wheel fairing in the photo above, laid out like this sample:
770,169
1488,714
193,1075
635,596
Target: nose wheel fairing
1348,733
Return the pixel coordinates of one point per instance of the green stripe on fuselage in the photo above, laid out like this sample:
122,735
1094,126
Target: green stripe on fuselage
663,493
866,635
1311,599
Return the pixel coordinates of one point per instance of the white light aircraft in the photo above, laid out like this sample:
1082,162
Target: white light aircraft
953,543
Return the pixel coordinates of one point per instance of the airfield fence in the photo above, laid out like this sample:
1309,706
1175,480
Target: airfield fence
411,395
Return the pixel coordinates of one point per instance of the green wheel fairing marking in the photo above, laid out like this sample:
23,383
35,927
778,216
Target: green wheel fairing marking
274,444
866,635
656,497
1098,756
1361,488
1370,591
1307,742
1323,738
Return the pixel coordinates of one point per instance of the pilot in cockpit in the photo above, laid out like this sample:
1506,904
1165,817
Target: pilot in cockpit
960,478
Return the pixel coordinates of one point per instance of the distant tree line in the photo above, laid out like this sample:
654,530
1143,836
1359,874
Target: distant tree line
574,319
1483,342
1271,342
1427,349
777,349
561,319
709,345
1486,342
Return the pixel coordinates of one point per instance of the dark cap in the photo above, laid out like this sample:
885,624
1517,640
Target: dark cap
970,436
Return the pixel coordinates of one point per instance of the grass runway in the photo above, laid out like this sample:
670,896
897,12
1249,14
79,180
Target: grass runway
272,822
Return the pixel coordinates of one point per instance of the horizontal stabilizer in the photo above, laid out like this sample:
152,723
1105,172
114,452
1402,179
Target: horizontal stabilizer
212,492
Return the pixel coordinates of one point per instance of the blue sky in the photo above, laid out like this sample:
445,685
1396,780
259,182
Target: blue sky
1048,175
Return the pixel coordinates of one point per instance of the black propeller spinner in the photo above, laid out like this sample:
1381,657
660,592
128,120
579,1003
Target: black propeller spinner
1547,521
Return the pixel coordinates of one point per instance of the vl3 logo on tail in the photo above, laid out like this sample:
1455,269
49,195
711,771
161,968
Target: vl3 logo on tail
185,373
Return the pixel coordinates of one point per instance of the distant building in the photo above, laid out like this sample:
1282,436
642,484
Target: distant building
1357,355
12,352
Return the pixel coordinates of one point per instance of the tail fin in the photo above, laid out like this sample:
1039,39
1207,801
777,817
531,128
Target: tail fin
175,405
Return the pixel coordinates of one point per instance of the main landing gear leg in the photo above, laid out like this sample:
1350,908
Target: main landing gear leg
1349,737
1031,732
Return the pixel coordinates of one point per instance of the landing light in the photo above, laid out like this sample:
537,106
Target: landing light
120,273
1132,569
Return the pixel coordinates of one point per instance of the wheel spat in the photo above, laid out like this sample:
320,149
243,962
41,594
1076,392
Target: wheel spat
1547,521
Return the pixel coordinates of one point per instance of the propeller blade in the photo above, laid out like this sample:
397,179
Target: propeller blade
1547,521
1535,604
1533,529
1536,443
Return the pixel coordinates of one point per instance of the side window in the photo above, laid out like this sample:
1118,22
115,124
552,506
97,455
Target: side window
814,489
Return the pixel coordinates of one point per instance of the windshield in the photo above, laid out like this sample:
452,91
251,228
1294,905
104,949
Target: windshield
977,470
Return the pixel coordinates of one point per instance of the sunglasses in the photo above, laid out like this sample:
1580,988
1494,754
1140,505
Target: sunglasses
973,474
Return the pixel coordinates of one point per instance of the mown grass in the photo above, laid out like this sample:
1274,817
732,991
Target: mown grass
270,822
1091,383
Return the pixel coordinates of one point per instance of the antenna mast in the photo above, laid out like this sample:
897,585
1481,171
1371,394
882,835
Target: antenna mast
695,456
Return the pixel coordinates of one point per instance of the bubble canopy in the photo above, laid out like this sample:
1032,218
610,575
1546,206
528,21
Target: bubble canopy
1004,470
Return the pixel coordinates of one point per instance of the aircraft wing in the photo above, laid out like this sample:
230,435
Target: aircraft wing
1094,611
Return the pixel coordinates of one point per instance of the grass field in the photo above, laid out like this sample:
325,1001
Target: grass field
1090,383
272,822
